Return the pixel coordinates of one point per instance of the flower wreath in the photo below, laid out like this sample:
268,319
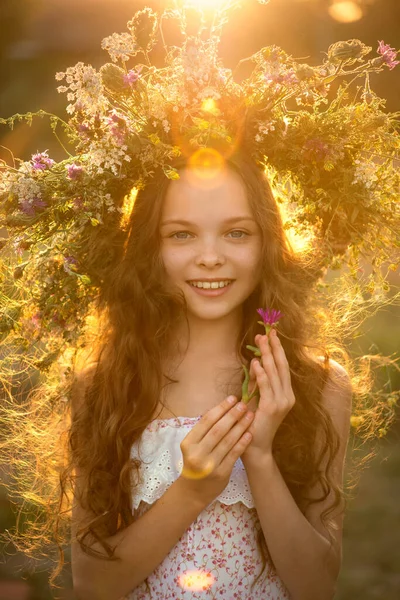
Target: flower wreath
330,152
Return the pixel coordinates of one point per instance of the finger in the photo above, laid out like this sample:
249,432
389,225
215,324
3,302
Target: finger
253,378
268,363
266,391
281,362
209,419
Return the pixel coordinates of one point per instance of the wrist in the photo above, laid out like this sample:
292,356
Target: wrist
255,458
195,499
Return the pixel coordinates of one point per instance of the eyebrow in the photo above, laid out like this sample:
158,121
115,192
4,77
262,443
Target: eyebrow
189,224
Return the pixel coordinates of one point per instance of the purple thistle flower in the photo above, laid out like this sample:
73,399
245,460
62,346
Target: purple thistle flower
388,54
281,78
36,319
74,171
131,77
82,128
71,260
70,263
28,207
269,316
41,161
78,203
117,126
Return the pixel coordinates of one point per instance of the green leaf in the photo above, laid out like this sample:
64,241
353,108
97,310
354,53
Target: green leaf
172,173
85,279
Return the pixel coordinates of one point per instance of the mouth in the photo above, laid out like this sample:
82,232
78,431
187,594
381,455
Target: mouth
212,291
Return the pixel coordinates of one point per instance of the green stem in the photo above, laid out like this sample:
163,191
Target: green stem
245,385
255,350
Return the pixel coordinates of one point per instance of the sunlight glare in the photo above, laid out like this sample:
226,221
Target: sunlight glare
206,4
210,106
196,581
298,241
345,11
206,168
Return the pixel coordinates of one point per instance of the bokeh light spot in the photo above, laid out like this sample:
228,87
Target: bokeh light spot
206,168
207,161
345,11
196,581
209,105
198,474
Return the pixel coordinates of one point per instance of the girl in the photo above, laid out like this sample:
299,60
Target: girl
182,489
170,497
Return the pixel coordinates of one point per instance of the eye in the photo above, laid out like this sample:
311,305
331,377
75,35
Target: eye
177,233
239,231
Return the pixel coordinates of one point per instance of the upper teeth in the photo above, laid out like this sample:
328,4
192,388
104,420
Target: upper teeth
209,284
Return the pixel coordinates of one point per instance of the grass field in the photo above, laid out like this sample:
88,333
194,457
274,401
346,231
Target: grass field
371,539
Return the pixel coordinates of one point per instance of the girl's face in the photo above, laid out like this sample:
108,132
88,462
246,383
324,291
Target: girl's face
209,232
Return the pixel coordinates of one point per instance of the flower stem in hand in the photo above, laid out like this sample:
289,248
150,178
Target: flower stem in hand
245,387
270,318
254,349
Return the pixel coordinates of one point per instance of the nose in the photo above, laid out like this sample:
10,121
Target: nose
210,255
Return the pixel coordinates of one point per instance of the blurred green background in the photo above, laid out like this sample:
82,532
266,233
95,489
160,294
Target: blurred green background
39,38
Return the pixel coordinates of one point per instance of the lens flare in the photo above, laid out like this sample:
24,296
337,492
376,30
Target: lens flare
209,106
206,168
196,581
198,474
345,11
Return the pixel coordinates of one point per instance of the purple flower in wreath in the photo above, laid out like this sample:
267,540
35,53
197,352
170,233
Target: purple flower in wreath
78,203
315,148
117,126
41,161
131,77
70,263
29,207
74,171
388,55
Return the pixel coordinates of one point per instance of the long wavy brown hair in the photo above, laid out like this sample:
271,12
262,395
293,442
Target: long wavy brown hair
119,384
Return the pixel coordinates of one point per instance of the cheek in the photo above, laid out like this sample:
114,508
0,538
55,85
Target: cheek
173,261
249,259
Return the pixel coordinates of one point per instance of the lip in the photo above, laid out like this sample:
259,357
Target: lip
211,280
210,292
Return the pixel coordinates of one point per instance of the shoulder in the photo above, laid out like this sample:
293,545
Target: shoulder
338,383
337,397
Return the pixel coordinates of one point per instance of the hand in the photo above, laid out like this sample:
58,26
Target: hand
276,395
211,449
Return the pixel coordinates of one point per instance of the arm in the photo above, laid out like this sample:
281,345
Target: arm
141,546
301,553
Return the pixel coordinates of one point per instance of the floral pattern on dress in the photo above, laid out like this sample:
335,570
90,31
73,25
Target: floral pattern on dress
217,556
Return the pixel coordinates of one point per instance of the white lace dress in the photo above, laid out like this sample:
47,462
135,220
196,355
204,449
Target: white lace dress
217,556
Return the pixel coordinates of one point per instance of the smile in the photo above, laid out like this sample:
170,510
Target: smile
214,288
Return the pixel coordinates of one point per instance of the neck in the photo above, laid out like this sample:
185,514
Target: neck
209,340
